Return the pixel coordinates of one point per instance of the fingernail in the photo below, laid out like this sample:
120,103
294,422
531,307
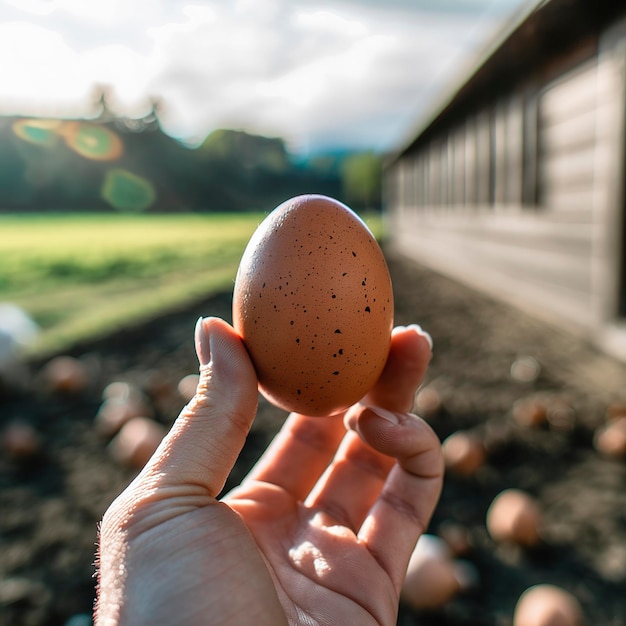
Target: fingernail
423,333
384,413
203,348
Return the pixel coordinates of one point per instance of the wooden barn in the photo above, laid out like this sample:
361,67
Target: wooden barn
515,181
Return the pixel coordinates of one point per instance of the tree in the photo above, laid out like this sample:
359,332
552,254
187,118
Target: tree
361,175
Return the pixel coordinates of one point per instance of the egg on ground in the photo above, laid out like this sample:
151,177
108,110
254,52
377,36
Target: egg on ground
514,517
313,304
463,453
547,605
136,441
433,576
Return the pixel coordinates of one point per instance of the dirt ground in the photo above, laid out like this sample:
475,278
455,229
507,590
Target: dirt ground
50,503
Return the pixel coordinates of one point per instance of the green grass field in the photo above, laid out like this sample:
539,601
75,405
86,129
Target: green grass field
81,275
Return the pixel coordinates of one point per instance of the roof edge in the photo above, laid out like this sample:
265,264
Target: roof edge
455,84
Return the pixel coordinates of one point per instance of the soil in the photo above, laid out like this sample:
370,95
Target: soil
487,359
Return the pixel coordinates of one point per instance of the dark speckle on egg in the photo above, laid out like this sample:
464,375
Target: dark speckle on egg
324,263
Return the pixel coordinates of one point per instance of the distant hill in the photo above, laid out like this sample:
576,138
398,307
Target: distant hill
118,164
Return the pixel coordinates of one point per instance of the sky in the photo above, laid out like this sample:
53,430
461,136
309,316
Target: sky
322,74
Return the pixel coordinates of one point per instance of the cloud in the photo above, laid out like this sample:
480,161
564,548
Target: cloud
467,7
104,13
329,73
315,74
50,77
35,55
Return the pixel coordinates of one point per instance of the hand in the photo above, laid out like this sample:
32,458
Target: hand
319,533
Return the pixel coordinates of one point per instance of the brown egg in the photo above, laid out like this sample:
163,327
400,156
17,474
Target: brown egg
547,605
610,439
463,453
525,369
428,402
616,409
530,412
21,440
456,536
137,441
313,304
66,374
514,517
115,412
121,402
187,386
430,580
561,415
120,390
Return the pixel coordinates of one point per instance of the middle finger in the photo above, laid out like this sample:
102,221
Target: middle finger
352,482
306,446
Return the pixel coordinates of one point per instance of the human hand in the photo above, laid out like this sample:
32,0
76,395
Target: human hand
320,532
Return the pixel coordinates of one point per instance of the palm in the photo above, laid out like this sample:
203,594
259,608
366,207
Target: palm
319,533
319,567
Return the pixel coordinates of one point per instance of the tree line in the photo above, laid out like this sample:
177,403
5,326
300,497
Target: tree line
117,164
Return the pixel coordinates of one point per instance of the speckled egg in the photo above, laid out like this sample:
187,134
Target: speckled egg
313,304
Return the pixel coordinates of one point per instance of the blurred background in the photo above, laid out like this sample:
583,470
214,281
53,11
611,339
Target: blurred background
213,107
135,109
141,143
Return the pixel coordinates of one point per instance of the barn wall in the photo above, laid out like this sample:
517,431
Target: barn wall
520,198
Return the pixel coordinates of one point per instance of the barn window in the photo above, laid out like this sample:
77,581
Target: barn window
443,172
483,158
470,162
530,192
507,150
422,180
458,176
433,173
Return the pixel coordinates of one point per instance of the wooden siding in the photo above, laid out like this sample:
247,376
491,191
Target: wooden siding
516,193
567,138
539,265
609,261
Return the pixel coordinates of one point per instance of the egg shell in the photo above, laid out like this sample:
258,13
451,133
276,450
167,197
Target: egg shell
119,390
66,374
428,402
430,580
137,441
463,453
514,517
21,440
456,536
561,415
115,412
313,303
547,605
610,439
530,412
187,386
616,409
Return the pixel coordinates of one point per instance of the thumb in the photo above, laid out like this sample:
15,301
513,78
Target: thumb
208,435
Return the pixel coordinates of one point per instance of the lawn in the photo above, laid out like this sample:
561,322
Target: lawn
79,275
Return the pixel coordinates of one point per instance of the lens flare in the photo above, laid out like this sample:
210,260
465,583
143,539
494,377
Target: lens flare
92,141
126,191
40,132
